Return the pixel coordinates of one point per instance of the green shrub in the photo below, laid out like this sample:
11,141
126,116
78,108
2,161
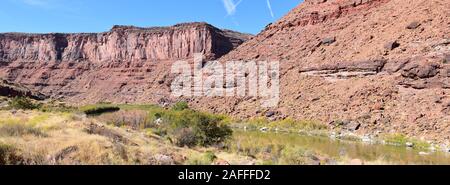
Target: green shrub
205,159
191,128
22,103
99,109
56,107
180,125
180,106
402,140
184,137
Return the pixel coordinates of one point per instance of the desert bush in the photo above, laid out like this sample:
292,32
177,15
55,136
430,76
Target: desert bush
22,103
190,128
180,125
135,119
20,129
99,109
184,137
180,106
294,156
205,159
54,106
9,155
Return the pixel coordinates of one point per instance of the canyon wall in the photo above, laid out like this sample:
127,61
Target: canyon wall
118,65
122,43
372,67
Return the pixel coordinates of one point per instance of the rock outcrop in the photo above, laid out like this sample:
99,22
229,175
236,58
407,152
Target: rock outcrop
8,89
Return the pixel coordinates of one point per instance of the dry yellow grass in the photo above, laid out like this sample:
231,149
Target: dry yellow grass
74,139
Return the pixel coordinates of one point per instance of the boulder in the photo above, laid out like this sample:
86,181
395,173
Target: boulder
164,160
409,144
413,25
353,126
446,59
270,114
328,40
264,129
391,45
421,70
378,106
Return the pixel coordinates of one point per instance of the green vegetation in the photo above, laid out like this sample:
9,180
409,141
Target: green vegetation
287,125
205,159
296,156
186,127
12,127
403,140
273,149
54,106
22,103
179,124
136,106
99,109
17,130
38,119
180,106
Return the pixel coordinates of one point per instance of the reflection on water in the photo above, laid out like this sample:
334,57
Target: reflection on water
340,149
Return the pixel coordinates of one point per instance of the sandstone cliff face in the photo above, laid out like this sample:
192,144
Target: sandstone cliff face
122,43
118,65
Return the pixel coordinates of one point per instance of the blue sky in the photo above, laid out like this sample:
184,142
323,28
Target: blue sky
43,16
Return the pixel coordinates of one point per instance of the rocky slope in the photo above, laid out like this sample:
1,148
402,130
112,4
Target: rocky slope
118,65
369,66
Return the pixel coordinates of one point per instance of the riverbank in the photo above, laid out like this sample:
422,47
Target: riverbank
302,128
281,147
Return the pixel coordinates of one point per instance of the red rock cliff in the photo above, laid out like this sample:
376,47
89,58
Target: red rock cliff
118,65
124,43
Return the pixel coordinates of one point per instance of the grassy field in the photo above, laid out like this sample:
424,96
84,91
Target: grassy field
65,135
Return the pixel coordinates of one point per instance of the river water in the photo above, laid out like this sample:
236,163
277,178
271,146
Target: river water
370,153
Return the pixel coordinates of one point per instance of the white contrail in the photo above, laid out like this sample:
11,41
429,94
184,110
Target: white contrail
270,8
230,6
